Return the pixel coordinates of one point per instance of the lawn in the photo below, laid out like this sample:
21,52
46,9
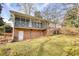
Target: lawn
57,45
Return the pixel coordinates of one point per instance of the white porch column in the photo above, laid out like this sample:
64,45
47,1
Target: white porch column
13,19
20,22
30,25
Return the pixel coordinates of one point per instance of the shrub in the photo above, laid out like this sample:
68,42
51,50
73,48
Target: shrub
69,31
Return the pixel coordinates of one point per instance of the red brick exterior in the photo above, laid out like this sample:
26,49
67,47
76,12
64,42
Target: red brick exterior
29,33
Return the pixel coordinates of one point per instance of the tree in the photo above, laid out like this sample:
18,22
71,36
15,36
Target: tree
27,8
52,13
55,12
71,16
1,21
38,14
8,29
46,14
0,8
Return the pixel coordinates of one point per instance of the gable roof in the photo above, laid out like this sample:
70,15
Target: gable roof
28,16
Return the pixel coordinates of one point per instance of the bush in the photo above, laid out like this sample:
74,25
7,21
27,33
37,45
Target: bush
72,50
69,31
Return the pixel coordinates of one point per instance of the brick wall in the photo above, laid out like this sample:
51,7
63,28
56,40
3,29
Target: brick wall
29,33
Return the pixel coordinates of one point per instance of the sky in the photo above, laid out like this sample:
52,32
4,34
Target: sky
13,6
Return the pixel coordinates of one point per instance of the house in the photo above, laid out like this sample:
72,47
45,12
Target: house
27,27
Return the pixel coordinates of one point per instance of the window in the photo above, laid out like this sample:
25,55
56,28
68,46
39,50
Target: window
37,25
22,22
27,22
34,24
43,25
40,25
17,21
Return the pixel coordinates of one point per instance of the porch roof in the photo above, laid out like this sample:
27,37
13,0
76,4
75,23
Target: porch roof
18,14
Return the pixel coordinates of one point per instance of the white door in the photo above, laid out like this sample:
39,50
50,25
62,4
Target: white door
20,35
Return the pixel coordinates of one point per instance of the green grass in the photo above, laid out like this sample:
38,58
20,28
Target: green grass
57,45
